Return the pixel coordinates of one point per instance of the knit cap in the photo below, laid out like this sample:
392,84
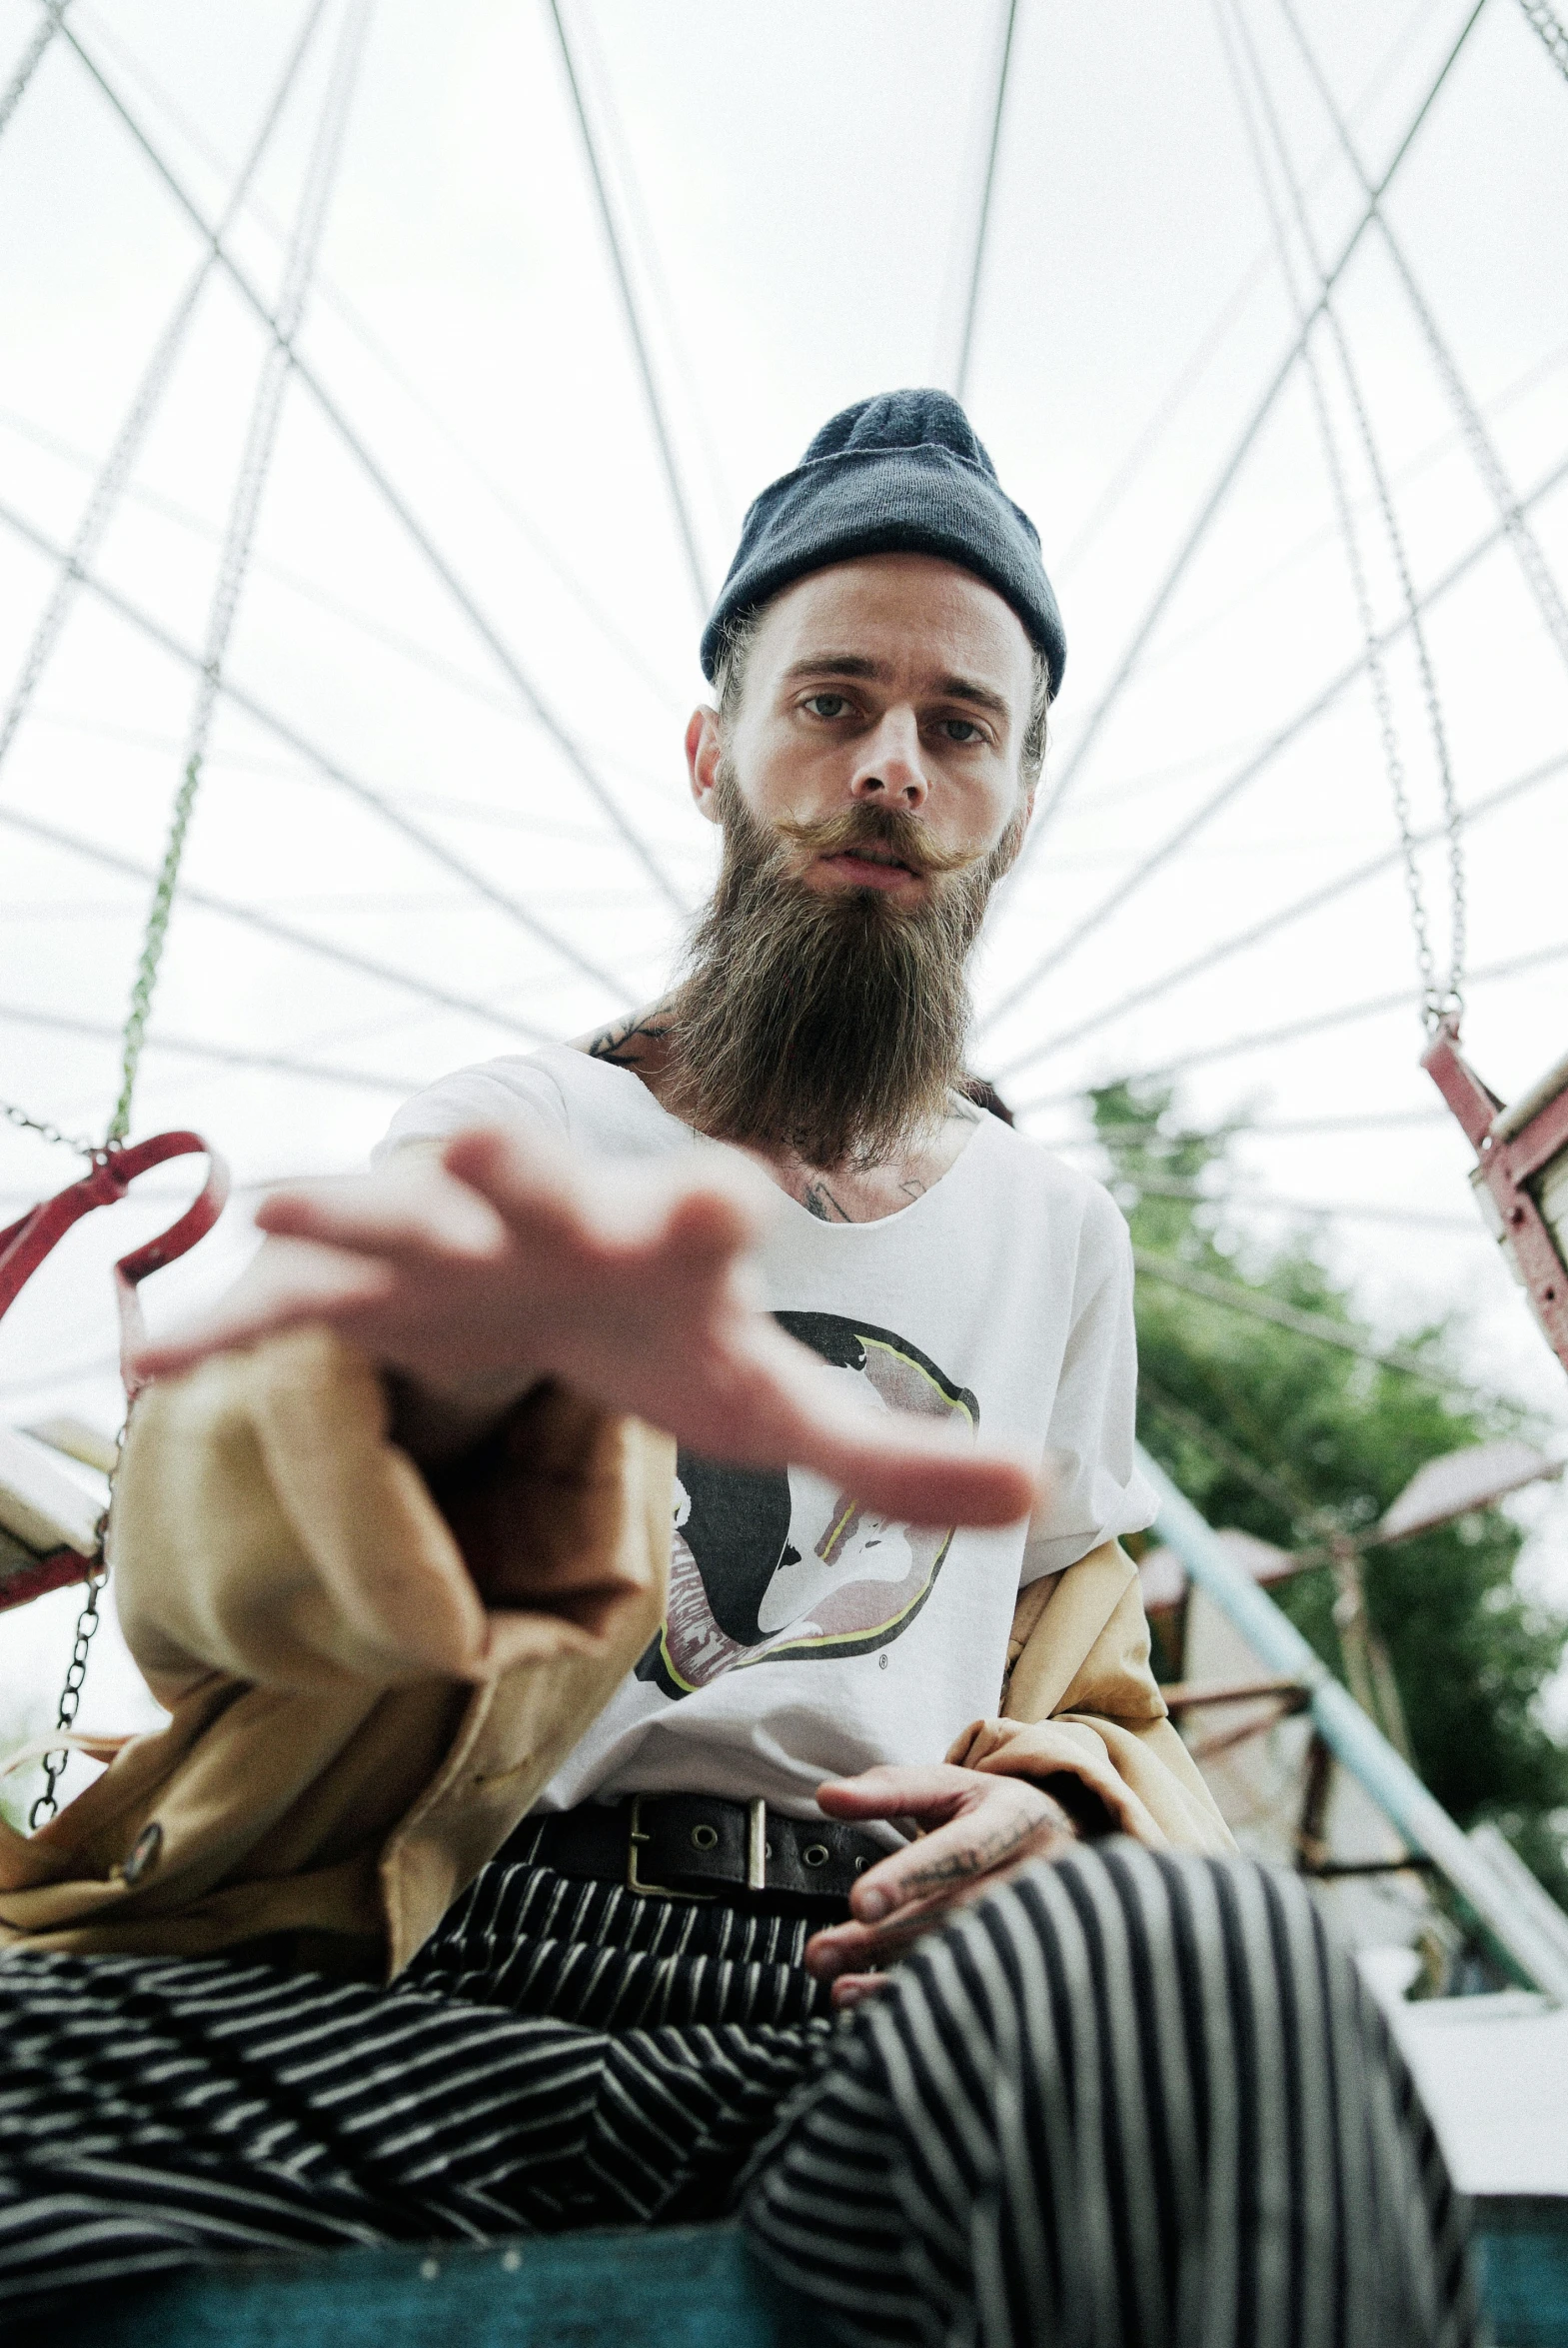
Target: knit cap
903,473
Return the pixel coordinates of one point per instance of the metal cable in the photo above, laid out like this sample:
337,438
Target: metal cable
1316,1023
977,263
1249,772
1221,487
490,635
1484,451
27,66
327,768
1553,34
268,927
255,461
1347,1209
1257,932
1196,367
330,296
1438,1001
644,364
1317,1325
226,1055
107,489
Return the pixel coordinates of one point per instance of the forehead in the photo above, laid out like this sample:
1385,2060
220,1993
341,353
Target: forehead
913,614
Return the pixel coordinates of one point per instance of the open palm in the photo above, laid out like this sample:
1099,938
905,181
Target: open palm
504,1262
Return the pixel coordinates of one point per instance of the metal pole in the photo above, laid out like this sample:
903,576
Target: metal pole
1531,1941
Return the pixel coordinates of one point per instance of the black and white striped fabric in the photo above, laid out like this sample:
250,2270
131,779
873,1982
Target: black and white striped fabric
1125,2098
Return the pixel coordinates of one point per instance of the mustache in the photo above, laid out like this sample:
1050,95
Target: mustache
891,828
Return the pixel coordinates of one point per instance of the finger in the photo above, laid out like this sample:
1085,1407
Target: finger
853,1988
911,1469
314,1285
530,1184
395,1221
925,1791
988,1836
847,1949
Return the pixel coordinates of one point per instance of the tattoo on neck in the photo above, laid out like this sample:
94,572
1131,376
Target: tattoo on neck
817,1200
624,1043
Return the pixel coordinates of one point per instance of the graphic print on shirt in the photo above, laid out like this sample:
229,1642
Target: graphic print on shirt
767,1566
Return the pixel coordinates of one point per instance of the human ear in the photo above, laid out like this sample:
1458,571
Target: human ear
704,750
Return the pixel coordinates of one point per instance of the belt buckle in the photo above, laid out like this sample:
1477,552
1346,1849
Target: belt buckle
636,1882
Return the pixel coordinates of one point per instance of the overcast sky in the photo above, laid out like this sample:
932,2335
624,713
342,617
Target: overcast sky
797,186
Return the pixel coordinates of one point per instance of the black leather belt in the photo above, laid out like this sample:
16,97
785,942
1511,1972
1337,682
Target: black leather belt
700,1846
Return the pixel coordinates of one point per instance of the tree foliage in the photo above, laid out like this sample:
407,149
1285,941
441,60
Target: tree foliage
1294,1441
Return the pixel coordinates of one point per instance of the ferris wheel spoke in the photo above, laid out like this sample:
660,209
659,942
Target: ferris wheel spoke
1253,767
253,918
1260,933
664,440
1317,1024
326,767
1229,473
111,481
960,380
223,1055
508,661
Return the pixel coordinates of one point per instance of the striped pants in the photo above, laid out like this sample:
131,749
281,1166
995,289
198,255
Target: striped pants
1125,2098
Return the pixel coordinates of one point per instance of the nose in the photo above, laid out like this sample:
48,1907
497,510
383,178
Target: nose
890,769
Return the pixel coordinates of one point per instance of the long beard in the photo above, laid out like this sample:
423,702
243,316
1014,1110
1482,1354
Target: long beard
831,1024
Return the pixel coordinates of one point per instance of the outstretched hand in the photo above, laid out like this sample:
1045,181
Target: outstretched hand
500,1262
979,1831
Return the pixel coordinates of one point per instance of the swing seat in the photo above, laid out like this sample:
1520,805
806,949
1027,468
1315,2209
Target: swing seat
1521,1177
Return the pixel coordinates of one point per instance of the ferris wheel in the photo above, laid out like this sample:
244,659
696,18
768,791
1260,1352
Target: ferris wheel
380,894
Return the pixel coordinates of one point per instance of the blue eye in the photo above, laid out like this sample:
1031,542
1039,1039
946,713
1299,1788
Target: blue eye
818,702
962,730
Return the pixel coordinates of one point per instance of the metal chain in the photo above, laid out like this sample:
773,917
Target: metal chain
1438,1001
261,439
41,1126
71,1693
152,951
1552,33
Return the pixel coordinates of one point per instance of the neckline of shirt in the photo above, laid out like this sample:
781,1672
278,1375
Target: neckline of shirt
817,1223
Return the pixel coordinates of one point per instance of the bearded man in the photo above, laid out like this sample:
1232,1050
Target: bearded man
512,1862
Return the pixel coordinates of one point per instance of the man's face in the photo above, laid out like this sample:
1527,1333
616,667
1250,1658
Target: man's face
897,682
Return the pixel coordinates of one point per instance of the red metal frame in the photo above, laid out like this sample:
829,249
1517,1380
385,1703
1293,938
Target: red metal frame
1509,1162
24,1244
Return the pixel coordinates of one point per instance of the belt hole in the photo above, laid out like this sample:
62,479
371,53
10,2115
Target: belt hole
704,1837
815,1855
860,1866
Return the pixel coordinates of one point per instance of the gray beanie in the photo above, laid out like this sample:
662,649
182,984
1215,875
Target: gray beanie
903,473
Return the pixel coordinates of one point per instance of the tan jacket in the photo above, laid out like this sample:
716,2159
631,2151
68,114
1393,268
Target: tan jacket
370,1676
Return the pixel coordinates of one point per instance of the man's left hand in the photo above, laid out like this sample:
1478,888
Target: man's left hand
979,1829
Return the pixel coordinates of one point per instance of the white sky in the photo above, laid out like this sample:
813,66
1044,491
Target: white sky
798,184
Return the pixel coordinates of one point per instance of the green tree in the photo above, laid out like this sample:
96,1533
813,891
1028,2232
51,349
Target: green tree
1294,1441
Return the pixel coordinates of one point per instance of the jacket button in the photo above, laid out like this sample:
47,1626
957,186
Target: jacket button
144,1854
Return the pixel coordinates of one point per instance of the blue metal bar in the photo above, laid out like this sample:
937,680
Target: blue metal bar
1527,1939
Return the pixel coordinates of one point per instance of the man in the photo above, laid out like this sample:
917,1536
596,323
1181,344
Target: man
624,1849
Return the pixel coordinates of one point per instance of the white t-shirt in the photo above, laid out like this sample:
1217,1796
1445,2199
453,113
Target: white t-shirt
807,1639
